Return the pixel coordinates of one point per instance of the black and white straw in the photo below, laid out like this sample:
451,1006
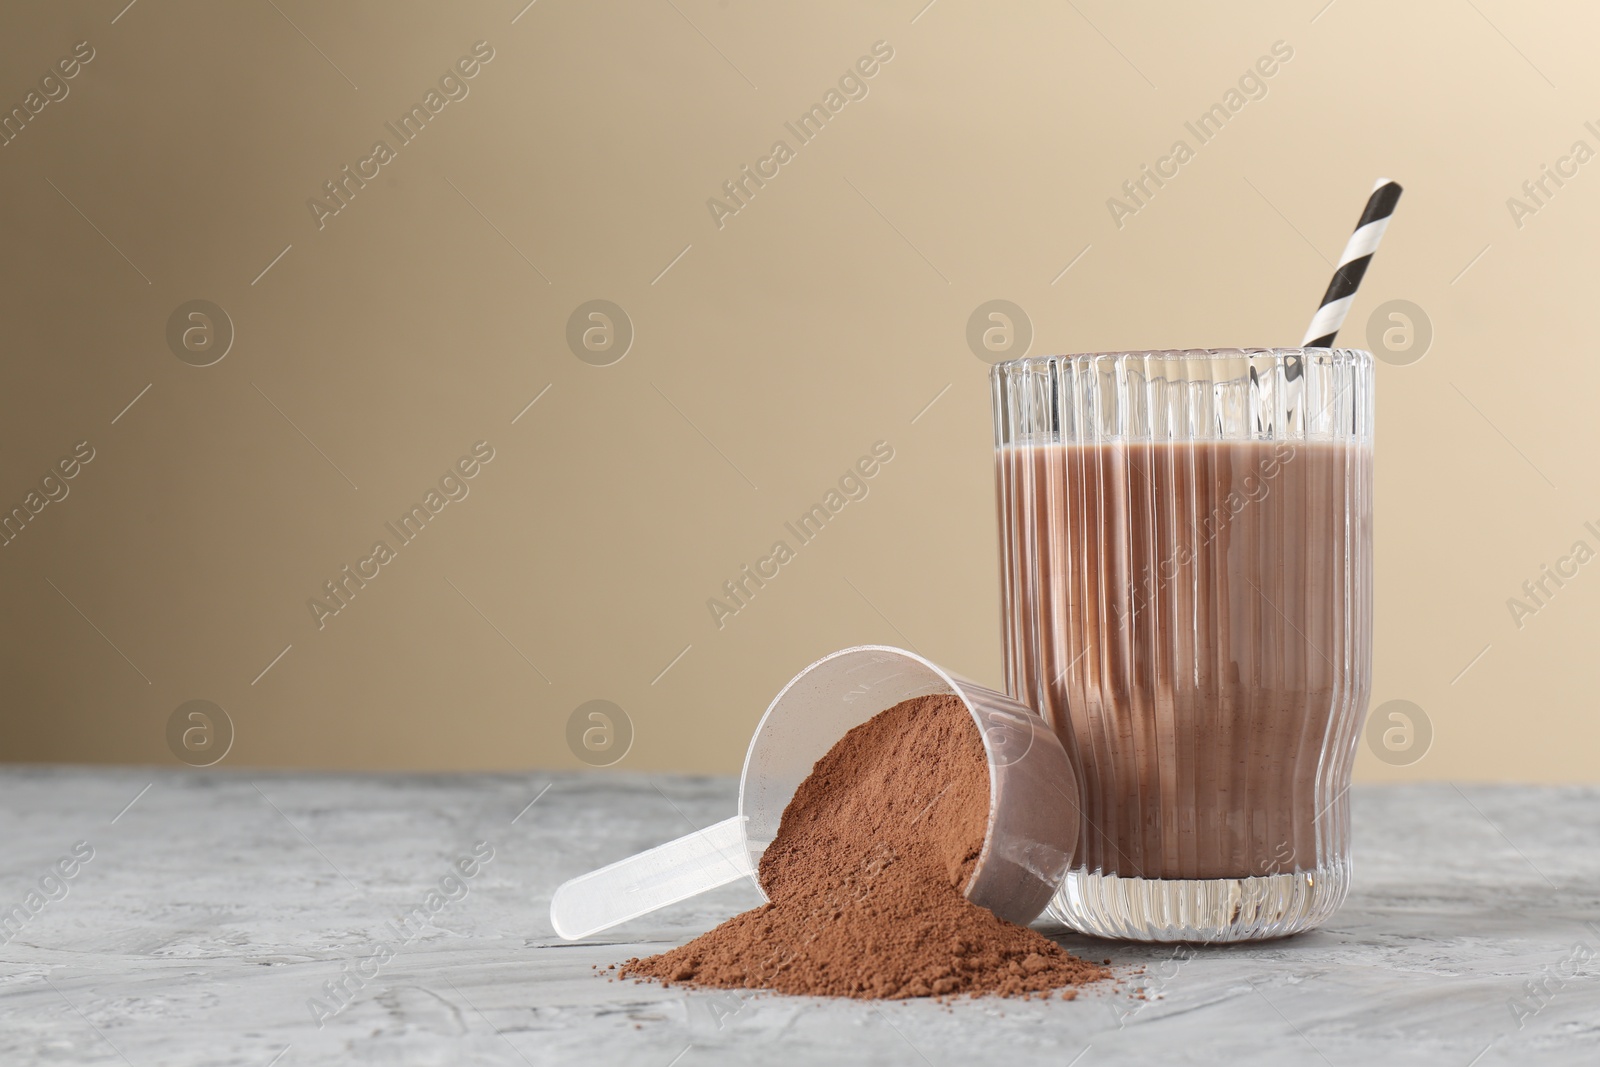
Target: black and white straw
1352,265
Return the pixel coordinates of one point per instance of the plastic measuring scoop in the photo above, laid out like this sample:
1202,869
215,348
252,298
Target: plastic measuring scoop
1033,795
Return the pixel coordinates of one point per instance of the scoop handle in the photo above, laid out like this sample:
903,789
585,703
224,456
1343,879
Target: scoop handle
652,879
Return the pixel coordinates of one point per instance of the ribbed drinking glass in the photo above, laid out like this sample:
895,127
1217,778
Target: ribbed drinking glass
1186,543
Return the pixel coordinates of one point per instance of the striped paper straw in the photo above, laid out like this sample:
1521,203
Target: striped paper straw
1352,265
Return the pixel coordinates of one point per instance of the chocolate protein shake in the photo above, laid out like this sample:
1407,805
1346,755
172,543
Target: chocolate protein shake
1183,614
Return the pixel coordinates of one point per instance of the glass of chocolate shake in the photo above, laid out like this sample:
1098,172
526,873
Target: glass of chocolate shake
1186,565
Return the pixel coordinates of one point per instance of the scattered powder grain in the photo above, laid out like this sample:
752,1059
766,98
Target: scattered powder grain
865,879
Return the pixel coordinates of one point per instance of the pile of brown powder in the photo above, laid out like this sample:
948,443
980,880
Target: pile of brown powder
865,879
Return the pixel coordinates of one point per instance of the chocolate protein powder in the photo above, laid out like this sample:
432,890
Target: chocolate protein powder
865,880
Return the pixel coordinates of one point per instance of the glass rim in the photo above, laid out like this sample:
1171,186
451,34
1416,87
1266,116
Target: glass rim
1202,355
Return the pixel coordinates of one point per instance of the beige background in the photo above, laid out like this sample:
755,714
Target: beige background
824,317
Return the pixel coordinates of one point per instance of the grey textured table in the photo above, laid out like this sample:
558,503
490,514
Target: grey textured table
221,913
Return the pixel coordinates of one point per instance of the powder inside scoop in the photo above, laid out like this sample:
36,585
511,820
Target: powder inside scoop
865,880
